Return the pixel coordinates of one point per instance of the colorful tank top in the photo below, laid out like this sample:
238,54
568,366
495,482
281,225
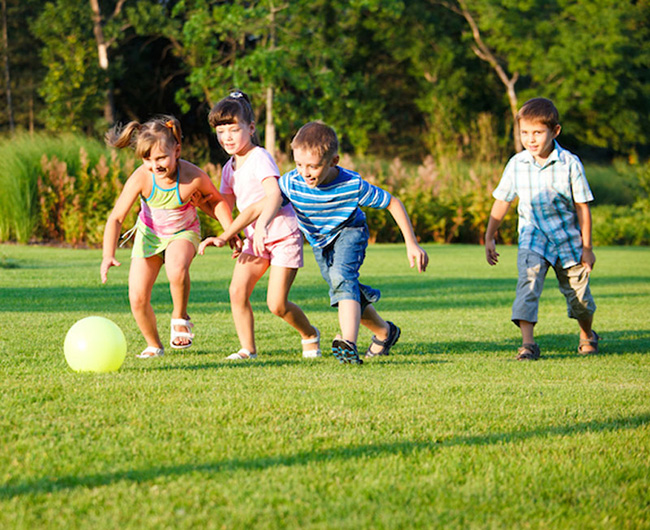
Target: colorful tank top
164,218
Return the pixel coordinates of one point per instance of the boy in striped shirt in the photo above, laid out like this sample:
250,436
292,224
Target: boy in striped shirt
328,200
554,225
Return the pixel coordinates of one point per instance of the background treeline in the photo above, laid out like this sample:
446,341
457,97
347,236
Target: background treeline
422,93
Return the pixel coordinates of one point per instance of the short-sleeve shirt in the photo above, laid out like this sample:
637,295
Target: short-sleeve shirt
548,222
325,210
246,184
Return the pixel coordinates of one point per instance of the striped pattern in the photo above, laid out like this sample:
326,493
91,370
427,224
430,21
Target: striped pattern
324,210
548,223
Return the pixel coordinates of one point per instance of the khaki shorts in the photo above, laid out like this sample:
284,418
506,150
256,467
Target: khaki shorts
573,283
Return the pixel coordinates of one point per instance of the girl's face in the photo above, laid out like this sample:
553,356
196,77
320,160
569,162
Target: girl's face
162,160
236,138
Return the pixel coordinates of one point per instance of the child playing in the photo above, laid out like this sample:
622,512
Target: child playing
554,225
327,201
249,176
167,230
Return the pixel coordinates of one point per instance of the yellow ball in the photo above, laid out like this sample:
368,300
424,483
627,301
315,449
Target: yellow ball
95,344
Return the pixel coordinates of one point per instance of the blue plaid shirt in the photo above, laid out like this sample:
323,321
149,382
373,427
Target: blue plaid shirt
548,223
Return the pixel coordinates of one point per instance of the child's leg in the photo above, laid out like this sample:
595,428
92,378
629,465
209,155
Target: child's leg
142,276
248,270
574,285
349,319
277,298
527,331
371,320
178,258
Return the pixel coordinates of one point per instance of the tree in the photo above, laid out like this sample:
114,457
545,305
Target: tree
102,53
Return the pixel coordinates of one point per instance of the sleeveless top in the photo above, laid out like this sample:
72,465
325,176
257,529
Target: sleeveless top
164,218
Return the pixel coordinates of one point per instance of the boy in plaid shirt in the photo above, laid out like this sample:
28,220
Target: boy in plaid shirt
554,225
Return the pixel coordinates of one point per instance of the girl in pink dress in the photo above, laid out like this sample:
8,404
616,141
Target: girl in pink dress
250,175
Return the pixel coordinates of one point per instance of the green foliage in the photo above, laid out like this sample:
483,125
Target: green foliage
626,225
74,87
448,432
59,188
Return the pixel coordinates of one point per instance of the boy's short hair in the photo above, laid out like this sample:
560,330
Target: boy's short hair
541,110
318,138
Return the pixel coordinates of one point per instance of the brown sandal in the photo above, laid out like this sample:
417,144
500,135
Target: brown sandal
593,343
528,352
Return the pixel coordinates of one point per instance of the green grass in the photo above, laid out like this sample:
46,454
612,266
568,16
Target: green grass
447,432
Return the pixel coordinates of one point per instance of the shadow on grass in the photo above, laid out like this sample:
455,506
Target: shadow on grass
48,485
553,345
442,293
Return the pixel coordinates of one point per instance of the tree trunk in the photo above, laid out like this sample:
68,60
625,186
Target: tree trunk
5,53
483,52
269,130
102,54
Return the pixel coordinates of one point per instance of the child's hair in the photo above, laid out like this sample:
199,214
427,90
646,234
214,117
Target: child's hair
235,108
163,130
541,110
318,138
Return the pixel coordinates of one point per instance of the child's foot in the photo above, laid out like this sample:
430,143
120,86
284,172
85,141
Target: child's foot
345,351
589,346
242,355
150,352
382,346
311,346
181,333
528,352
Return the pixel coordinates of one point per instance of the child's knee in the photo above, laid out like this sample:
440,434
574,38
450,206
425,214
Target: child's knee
277,307
138,299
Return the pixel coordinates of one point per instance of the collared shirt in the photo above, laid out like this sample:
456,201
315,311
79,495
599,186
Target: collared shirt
548,222
325,210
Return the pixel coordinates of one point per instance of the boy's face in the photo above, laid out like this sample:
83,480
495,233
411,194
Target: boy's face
537,138
315,170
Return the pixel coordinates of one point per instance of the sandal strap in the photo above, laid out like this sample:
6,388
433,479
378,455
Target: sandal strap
313,340
151,351
242,355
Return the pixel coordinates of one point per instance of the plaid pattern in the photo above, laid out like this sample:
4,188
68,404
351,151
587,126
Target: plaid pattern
548,223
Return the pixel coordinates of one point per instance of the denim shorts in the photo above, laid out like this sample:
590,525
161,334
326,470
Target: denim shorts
339,264
573,283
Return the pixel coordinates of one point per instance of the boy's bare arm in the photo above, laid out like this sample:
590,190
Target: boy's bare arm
583,212
416,254
498,212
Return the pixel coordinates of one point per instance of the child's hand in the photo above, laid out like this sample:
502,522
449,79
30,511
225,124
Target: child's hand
236,246
197,198
491,253
417,257
210,241
258,240
588,259
107,263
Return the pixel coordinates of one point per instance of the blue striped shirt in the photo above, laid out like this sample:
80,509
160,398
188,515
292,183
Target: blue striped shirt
548,223
324,210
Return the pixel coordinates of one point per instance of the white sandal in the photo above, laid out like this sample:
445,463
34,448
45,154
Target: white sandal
242,355
150,352
312,354
181,334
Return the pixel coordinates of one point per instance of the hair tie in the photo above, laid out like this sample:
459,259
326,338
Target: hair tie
237,94
169,124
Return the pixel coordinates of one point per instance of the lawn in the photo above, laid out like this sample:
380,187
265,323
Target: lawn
449,431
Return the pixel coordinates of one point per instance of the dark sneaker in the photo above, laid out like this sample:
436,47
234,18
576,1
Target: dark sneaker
346,352
528,352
